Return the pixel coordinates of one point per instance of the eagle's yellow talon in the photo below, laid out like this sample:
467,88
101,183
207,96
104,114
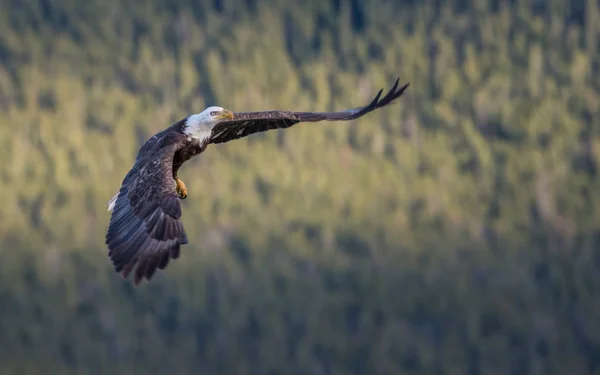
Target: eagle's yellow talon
181,189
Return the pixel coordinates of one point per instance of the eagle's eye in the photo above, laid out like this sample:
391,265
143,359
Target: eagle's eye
214,113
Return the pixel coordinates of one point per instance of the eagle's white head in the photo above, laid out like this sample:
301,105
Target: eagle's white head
200,125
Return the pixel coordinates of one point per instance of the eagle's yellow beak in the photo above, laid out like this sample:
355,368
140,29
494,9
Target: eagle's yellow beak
225,115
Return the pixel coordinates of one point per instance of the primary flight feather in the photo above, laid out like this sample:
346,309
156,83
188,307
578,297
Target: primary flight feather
145,229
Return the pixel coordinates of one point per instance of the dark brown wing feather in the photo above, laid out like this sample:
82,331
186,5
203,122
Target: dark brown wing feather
145,227
246,123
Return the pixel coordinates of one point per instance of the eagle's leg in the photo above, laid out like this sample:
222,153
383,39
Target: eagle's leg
181,188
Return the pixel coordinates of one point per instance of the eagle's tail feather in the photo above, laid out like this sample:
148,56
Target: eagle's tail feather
111,202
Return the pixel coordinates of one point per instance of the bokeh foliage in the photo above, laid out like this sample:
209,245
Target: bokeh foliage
455,232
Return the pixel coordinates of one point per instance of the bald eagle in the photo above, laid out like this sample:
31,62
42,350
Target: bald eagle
145,226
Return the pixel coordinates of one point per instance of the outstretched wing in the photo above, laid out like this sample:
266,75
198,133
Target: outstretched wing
246,123
145,227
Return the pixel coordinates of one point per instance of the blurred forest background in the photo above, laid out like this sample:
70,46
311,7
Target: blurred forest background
455,232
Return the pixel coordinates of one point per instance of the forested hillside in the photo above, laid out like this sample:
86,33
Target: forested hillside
454,232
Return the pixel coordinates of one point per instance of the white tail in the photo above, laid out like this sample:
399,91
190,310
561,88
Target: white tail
111,202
